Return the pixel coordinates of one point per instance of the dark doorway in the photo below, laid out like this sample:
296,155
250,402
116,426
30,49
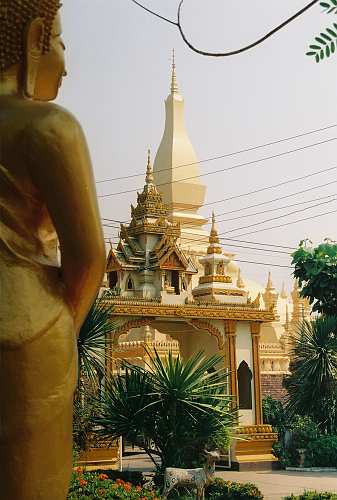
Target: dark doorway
175,282
245,386
113,279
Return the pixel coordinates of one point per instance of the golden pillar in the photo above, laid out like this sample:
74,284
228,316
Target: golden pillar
255,333
230,332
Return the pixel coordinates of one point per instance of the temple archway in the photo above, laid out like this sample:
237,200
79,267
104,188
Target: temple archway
245,386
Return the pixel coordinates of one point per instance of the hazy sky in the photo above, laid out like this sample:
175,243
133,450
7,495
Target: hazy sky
118,60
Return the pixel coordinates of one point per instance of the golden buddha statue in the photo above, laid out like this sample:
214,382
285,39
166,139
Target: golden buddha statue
47,196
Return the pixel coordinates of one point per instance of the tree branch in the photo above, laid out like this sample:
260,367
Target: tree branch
259,41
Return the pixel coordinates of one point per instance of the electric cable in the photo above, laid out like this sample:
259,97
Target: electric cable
227,169
227,155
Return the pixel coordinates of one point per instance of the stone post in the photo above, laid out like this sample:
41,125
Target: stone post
255,333
230,332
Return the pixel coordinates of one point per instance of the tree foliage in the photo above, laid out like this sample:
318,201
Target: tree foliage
312,385
325,43
316,271
174,407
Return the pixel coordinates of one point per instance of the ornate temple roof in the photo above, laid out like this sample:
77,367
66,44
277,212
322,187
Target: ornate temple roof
149,217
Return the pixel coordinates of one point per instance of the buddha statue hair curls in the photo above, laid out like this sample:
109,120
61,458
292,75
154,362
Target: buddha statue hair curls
14,18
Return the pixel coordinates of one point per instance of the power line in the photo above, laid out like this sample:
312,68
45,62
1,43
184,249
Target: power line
227,169
289,223
279,216
263,264
275,209
257,204
277,199
227,155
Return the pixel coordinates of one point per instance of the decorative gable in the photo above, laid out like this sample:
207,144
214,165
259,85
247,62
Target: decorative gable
172,262
112,263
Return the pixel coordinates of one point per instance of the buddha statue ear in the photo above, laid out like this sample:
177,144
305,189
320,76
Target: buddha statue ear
33,51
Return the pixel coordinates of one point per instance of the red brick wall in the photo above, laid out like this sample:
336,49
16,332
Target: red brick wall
272,386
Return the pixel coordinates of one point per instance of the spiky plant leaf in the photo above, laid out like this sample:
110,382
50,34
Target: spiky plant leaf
92,341
178,405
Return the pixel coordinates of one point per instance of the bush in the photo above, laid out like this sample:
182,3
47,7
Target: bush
303,432
98,486
227,490
313,495
274,414
322,452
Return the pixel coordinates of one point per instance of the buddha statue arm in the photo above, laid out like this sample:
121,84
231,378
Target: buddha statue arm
60,167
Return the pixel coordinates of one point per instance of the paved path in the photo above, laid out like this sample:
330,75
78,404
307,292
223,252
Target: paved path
275,485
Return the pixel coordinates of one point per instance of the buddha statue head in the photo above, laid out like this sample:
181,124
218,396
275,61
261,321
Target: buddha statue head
31,48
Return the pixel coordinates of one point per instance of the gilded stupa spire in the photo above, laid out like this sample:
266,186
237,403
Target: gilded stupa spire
149,171
283,294
269,285
174,84
149,202
214,242
240,283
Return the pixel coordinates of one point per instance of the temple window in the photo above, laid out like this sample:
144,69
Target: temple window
129,284
113,279
220,268
208,270
175,282
245,386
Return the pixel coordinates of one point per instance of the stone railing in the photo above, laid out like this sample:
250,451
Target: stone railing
159,345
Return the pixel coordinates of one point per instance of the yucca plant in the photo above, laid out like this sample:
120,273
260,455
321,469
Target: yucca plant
312,385
93,352
179,406
92,342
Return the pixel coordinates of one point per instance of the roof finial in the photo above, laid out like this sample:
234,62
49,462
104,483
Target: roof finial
240,283
283,294
174,85
214,238
269,285
149,171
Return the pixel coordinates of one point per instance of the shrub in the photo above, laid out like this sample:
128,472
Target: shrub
313,495
304,431
274,414
98,486
323,452
227,490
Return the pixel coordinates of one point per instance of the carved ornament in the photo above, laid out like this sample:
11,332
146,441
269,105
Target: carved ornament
217,278
224,291
152,310
208,327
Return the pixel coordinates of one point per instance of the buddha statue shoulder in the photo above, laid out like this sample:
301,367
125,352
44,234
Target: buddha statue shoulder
52,255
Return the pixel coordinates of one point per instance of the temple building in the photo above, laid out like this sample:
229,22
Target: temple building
174,287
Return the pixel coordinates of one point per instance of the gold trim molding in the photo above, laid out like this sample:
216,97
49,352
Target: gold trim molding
151,310
217,278
223,291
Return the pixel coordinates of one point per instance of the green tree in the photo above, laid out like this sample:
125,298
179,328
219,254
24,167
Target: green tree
325,43
312,385
316,271
180,407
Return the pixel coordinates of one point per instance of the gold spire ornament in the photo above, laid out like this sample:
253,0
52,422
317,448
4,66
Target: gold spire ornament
240,283
214,242
47,196
174,84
